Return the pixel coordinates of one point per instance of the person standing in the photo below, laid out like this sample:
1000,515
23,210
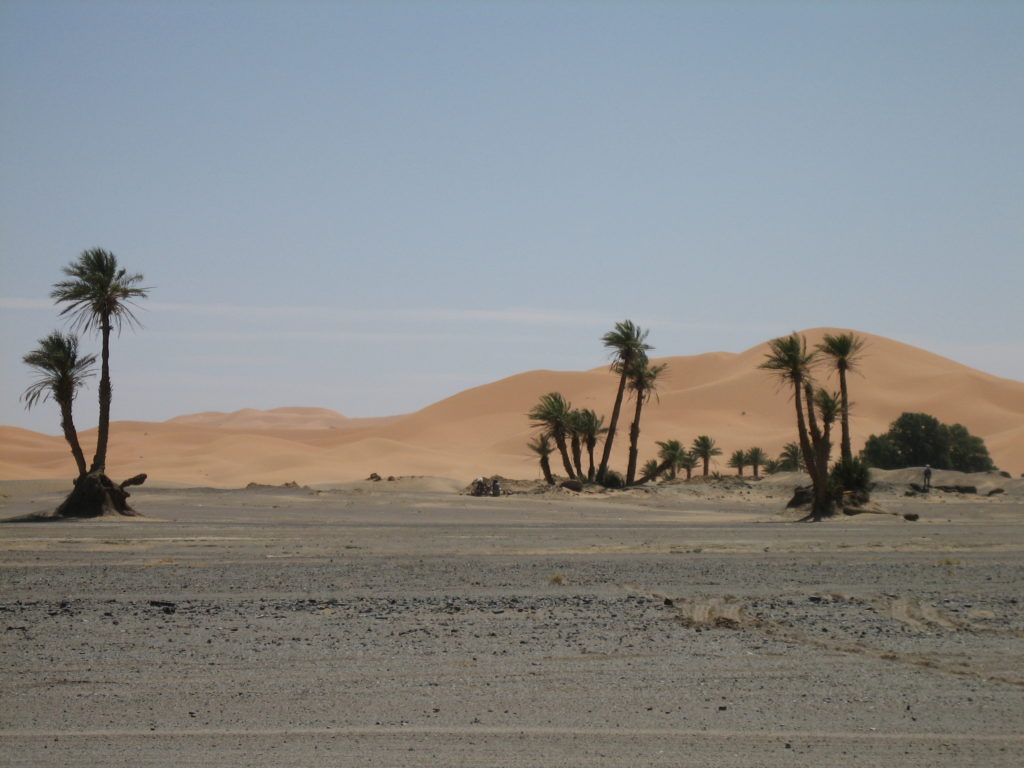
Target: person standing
927,477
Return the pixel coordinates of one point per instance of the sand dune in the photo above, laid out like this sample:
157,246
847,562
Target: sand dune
484,430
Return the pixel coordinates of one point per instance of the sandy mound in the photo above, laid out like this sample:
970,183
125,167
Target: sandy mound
484,430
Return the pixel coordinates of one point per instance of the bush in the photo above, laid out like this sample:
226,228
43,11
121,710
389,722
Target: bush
613,479
916,439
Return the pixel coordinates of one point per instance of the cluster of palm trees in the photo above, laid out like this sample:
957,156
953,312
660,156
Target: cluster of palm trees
570,430
816,408
97,295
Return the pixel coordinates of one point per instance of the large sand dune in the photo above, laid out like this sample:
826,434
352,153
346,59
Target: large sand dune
484,430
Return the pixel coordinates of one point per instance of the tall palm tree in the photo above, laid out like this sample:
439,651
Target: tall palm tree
643,381
552,414
628,342
591,427
756,458
789,359
672,455
541,445
844,350
100,295
59,374
688,462
704,448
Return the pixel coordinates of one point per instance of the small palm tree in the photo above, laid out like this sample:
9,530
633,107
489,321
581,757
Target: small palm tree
738,460
689,462
541,445
100,295
627,342
771,466
650,470
789,359
844,350
755,459
704,448
552,414
591,427
672,455
791,459
59,374
575,427
643,381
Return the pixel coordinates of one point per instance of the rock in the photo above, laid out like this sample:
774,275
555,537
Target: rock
572,485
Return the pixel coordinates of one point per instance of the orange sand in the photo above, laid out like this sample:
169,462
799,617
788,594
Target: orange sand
484,430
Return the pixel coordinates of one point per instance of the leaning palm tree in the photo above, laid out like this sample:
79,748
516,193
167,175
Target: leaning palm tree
672,455
59,374
628,343
100,295
844,350
755,459
541,445
552,414
738,460
643,381
703,449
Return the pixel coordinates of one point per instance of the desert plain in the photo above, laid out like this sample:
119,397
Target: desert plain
272,607
405,623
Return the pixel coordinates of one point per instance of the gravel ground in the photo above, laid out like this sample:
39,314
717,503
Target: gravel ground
411,626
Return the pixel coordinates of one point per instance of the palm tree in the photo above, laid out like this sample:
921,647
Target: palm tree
771,466
627,342
844,351
789,359
828,404
672,455
643,381
755,458
591,427
791,459
738,461
650,470
574,427
99,296
541,445
704,448
60,372
688,462
552,414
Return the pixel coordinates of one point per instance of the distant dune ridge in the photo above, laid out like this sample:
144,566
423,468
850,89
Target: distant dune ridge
484,430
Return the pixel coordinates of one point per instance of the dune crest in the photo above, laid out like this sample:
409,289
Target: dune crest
484,430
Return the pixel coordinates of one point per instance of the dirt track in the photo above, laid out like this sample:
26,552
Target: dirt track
409,626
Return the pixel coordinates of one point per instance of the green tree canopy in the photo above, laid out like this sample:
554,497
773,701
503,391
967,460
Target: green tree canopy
916,439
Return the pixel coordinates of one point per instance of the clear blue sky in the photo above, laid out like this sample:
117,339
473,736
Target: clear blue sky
369,206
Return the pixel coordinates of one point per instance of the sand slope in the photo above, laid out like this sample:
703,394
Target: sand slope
484,430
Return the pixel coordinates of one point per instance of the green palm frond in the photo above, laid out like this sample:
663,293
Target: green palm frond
99,292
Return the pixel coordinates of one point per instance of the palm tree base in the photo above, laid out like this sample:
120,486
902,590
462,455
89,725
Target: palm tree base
96,495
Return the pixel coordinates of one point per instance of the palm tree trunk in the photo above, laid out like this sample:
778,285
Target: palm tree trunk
590,453
612,425
67,423
821,506
634,438
99,461
845,452
564,451
801,427
545,467
577,455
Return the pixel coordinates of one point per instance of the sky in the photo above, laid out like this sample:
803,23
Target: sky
371,206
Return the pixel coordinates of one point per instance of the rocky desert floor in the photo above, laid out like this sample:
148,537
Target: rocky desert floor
404,624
